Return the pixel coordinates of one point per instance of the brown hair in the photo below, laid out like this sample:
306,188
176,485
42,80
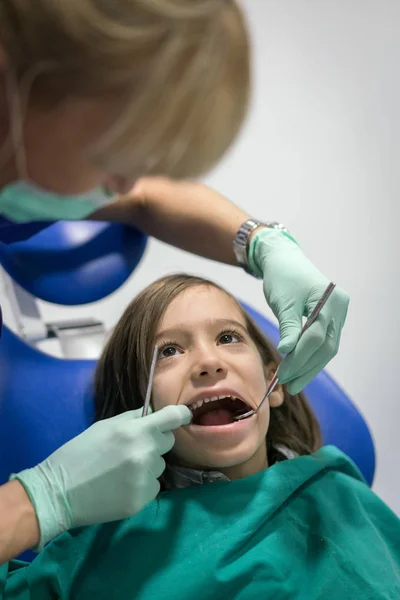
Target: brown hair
176,74
123,367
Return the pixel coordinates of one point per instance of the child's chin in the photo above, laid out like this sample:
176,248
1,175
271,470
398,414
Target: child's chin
226,460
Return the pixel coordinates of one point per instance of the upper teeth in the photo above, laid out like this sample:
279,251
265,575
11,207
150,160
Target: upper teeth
199,403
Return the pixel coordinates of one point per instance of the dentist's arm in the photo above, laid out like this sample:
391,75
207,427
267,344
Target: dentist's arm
107,473
184,214
19,527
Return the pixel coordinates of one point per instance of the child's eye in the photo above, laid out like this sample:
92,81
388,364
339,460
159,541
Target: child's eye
168,351
229,337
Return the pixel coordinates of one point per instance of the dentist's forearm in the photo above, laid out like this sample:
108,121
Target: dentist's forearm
202,222
19,529
187,215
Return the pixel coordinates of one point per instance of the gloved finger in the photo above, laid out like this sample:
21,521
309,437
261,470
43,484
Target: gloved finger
170,417
164,441
290,324
336,306
157,467
311,341
297,385
334,313
316,363
149,489
153,489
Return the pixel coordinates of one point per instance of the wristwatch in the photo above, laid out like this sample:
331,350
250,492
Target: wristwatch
241,241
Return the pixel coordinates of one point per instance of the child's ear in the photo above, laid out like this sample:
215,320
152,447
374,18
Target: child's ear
277,397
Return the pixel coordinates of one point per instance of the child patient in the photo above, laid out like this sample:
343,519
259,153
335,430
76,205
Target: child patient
248,509
213,358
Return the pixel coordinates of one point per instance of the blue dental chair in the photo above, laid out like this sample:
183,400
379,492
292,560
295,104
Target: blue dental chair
45,401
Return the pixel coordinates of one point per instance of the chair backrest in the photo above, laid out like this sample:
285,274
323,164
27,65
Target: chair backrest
44,402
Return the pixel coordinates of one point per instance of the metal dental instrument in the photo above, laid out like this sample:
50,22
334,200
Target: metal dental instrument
150,382
274,380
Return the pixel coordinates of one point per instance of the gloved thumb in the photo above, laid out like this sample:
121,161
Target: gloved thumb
290,331
170,417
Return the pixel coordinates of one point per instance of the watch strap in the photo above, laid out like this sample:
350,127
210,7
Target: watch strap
241,241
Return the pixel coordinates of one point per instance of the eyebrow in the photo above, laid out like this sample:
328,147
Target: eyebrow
210,322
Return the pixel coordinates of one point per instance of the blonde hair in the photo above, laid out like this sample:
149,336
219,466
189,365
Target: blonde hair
123,368
176,73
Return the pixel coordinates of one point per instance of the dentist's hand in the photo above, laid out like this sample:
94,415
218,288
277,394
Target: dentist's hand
292,288
109,472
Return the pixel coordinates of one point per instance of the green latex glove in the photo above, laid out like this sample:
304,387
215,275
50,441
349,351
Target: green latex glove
292,288
109,472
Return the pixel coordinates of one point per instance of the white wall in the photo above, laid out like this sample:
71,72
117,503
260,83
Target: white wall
321,152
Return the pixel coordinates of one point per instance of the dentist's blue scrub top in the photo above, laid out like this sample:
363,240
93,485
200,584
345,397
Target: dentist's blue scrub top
11,232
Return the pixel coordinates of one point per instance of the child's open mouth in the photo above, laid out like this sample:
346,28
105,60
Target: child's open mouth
217,410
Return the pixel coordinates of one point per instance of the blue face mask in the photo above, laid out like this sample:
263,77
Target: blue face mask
23,202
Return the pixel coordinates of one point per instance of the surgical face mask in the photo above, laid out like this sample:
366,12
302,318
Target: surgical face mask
24,201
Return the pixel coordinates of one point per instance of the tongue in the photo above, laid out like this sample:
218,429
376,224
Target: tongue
221,416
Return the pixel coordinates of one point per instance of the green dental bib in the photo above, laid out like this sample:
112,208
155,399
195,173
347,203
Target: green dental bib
307,528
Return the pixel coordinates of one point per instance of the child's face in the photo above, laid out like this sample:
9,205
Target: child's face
206,351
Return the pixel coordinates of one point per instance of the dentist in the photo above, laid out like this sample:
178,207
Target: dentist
105,110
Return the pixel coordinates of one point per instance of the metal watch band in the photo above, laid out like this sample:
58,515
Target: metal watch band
241,241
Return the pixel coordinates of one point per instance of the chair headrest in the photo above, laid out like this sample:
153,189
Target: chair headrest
75,262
